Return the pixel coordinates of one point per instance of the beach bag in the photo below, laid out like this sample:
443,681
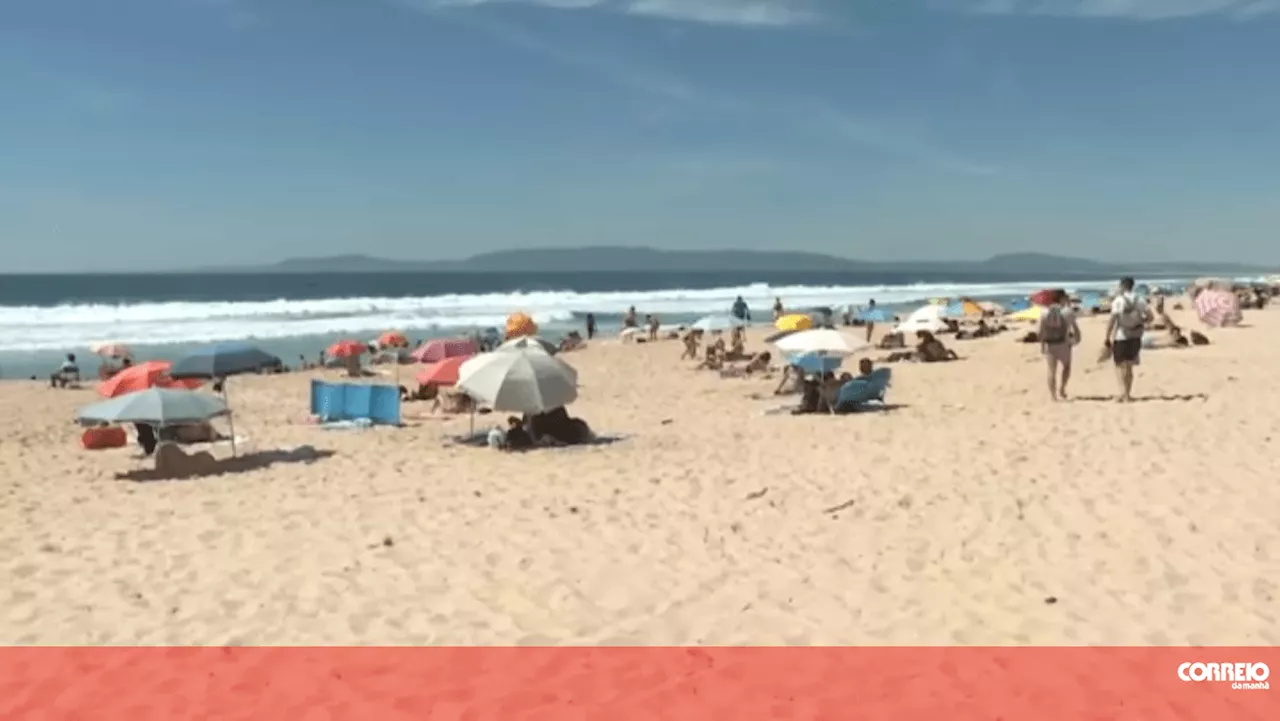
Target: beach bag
1055,326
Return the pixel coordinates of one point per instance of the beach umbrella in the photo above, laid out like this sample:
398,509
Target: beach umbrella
142,376
823,341
346,349
1029,313
1018,304
774,338
1218,308
520,324
111,349
927,318
795,321
814,362
1048,296
442,373
519,381
717,323
220,361
962,308
875,315
155,406
392,339
441,348
530,342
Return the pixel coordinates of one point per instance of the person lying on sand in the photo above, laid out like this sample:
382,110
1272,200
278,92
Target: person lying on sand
759,363
931,350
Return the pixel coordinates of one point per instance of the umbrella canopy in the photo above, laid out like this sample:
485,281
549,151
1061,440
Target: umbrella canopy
823,341
442,373
1018,304
111,349
962,308
795,321
156,406
814,362
519,381
875,315
927,318
530,342
520,324
774,338
1031,313
1218,308
142,376
222,360
1048,296
392,339
716,323
346,349
441,348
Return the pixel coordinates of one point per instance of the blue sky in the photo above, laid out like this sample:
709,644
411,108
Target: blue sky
197,131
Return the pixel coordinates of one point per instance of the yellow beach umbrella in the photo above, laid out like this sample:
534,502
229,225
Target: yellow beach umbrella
793,322
1032,313
964,307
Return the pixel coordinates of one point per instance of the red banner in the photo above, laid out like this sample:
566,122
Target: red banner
621,684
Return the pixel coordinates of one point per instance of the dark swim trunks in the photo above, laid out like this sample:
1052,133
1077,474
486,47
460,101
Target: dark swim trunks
1126,351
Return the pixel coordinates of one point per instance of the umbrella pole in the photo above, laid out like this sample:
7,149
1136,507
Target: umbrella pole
231,421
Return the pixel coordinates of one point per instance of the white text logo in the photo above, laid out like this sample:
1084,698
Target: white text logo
1247,676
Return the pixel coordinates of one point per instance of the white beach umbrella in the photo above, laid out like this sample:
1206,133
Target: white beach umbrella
530,342
824,341
928,318
519,381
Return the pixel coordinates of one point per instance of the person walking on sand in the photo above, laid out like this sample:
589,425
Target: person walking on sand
591,326
1129,315
1059,334
741,311
871,326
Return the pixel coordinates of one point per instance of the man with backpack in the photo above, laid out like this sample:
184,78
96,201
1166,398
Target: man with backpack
1129,316
1059,334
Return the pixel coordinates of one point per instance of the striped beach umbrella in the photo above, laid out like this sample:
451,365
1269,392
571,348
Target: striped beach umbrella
1218,308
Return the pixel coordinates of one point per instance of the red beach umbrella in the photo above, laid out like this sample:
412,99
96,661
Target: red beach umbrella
1047,296
143,376
442,373
346,349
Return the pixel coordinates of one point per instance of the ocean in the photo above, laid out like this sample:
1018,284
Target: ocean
43,317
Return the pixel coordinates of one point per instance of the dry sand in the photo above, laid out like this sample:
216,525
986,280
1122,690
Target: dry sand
979,512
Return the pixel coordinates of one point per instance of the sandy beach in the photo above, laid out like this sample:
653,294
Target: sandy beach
975,511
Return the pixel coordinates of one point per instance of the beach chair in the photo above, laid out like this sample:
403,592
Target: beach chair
860,392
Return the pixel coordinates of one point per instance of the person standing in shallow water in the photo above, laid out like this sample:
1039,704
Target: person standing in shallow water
591,326
740,310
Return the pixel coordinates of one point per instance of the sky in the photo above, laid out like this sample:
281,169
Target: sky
152,134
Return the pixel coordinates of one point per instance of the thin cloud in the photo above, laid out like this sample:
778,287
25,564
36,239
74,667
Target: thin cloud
610,70
1150,10
857,131
750,13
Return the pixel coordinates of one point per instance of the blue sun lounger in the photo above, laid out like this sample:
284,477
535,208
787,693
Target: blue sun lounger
860,392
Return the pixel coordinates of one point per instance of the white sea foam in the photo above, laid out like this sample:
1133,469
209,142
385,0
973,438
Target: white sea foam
62,327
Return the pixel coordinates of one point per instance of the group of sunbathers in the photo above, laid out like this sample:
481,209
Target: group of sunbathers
550,429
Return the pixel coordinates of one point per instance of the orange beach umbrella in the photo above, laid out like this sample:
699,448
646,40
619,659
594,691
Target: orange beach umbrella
393,339
346,349
141,377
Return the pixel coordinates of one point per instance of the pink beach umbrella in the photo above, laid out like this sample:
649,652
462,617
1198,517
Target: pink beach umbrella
442,348
1218,308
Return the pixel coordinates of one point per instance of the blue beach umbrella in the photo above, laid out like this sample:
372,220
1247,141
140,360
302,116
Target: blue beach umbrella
221,360
155,406
875,315
1017,305
815,363
713,323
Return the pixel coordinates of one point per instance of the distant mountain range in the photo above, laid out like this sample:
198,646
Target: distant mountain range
640,259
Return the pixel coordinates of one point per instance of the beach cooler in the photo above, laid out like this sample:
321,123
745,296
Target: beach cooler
97,439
